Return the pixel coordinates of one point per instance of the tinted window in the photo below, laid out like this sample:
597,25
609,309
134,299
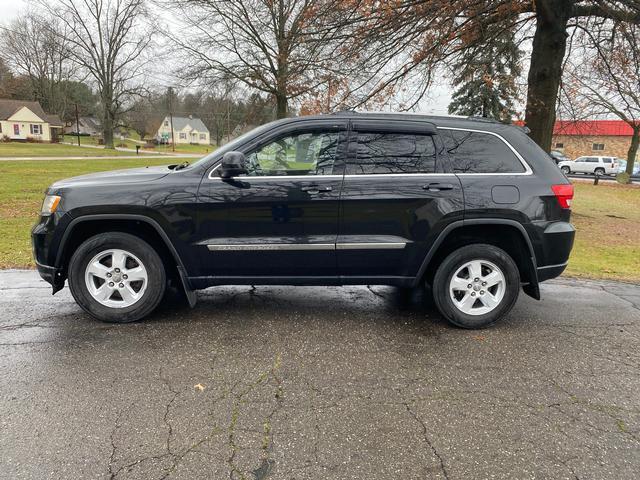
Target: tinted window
379,153
302,154
473,152
592,160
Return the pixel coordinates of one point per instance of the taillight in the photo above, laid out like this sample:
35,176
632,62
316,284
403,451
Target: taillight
564,194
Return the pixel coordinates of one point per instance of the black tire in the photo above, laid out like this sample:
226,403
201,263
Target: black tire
456,260
599,171
566,170
156,277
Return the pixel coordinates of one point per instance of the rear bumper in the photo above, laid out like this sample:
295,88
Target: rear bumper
557,242
550,271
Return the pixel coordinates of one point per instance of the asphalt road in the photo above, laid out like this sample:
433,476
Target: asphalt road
320,383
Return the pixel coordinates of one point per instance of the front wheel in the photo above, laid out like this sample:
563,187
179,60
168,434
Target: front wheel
599,171
116,277
476,285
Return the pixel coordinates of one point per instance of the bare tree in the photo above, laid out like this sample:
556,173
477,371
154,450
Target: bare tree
412,36
108,39
284,48
35,47
605,80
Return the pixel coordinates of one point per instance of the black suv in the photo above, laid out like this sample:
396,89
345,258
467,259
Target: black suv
472,208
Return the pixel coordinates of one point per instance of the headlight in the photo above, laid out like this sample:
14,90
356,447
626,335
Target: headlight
50,204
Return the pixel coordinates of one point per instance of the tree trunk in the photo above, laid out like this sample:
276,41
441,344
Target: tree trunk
281,106
545,72
633,150
107,128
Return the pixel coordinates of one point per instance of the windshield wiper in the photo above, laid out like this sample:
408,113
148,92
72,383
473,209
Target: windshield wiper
181,166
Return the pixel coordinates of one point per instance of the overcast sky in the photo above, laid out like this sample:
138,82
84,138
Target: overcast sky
439,97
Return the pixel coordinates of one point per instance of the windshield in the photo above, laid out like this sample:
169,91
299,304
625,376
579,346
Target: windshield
234,144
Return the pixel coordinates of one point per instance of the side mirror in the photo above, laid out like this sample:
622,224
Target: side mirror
233,164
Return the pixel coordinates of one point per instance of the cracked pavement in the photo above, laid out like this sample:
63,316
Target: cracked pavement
330,383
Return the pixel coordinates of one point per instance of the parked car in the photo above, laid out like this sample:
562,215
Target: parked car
559,156
622,167
471,208
593,165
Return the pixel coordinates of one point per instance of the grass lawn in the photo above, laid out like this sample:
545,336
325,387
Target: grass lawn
607,219
606,216
19,149
188,148
22,185
127,143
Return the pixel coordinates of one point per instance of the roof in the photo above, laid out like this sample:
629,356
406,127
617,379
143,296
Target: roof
9,107
54,120
179,123
617,128
91,122
439,121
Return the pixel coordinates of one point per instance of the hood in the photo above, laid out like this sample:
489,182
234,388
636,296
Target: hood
130,175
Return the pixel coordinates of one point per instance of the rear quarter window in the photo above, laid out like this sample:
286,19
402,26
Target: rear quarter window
477,152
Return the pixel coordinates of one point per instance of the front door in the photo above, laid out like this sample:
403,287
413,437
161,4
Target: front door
396,198
281,218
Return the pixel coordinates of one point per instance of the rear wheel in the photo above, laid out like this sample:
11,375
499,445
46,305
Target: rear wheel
116,277
566,170
476,285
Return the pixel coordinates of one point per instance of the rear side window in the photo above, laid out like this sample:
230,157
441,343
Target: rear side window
475,152
380,153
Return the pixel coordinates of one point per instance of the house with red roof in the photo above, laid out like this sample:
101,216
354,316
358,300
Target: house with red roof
576,138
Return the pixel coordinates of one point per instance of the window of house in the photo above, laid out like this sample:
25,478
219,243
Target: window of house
598,146
300,154
166,123
380,153
476,152
35,129
183,136
559,145
203,136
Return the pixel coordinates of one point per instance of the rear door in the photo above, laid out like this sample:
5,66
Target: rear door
398,195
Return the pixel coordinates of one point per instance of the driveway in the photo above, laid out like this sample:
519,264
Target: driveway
320,383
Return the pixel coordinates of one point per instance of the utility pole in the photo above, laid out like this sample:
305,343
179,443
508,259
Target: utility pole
173,142
77,125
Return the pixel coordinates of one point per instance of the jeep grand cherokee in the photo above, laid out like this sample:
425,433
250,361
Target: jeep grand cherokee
472,208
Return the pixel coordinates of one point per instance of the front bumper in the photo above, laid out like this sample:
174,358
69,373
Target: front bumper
45,239
51,275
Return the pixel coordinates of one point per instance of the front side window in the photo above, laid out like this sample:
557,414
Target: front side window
477,152
300,154
384,153
598,146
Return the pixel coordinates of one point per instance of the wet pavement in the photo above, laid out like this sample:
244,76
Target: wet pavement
320,383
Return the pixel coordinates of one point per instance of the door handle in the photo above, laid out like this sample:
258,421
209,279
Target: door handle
313,189
436,187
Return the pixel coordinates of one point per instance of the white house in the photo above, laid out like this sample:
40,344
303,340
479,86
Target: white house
185,130
86,126
22,119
